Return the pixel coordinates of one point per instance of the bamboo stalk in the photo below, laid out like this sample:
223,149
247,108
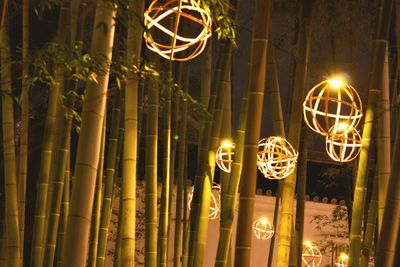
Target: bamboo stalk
39,224
181,173
288,189
129,172
165,190
10,173
383,141
258,62
370,225
77,234
97,202
106,207
23,147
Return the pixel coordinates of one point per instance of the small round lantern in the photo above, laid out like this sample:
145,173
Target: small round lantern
332,102
343,145
263,229
342,260
223,156
276,158
173,44
214,203
311,256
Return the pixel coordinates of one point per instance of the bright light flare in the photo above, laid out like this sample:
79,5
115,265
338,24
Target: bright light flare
336,82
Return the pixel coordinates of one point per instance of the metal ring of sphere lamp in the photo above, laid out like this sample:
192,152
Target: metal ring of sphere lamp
343,145
332,102
176,45
276,157
263,229
214,210
342,260
311,256
223,156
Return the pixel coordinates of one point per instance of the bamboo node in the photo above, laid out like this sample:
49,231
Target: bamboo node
177,45
276,157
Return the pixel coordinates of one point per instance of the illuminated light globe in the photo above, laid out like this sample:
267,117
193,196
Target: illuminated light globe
223,156
311,256
263,229
342,260
276,157
343,145
332,102
171,43
214,203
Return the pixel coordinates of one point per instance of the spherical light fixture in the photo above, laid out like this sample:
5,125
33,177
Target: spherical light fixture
311,256
224,156
263,229
276,157
173,43
330,103
215,209
343,145
342,260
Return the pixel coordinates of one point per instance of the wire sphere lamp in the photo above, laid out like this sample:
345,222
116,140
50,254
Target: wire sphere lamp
215,201
263,229
311,256
276,157
173,44
343,145
224,156
332,102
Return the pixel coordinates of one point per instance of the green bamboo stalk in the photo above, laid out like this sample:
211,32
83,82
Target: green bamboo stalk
383,141
370,225
301,194
379,45
274,101
78,227
288,189
23,147
165,190
97,202
106,208
362,179
10,173
182,143
60,172
140,116
258,64
151,171
39,224
64,208
386,251
128,208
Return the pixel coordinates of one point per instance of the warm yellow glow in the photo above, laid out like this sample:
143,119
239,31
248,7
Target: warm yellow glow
336,82
344,256
342,127
311,255
224,155
343,146
307,243
214,209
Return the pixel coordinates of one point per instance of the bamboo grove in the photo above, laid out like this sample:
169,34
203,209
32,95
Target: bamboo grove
102,137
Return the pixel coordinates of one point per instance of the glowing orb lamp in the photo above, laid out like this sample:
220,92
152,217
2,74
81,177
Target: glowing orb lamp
276,157
263,229
330,103
342,260
311,256
214,210
164,19
343,145
223,156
